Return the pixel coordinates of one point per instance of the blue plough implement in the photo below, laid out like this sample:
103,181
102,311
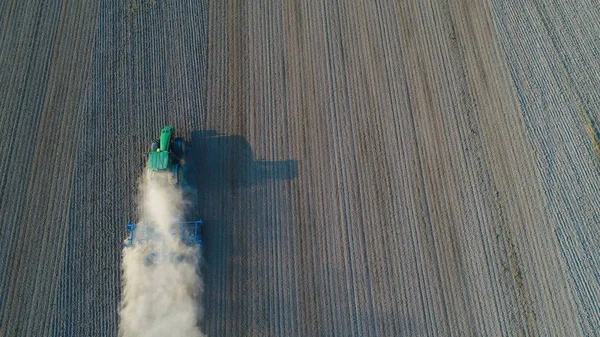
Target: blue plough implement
190,233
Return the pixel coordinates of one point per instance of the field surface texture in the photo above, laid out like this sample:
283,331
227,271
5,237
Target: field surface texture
365,168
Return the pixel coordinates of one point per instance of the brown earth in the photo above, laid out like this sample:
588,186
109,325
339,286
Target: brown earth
390,168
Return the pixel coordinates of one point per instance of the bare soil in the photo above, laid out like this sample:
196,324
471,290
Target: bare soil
366,168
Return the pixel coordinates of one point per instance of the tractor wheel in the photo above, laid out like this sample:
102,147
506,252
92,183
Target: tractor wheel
173,175
179,147
155,145
180,175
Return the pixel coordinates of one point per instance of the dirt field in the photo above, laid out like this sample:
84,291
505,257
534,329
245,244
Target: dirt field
367,168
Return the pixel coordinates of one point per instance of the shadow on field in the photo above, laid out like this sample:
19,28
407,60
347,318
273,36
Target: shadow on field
225,162
241,202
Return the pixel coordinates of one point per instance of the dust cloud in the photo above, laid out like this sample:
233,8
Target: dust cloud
162,285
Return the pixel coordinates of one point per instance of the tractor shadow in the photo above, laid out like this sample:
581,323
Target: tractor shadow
226,163
243,202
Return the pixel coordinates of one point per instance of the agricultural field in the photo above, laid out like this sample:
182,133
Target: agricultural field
365,168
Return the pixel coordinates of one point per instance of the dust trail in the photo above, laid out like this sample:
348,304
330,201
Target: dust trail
161,299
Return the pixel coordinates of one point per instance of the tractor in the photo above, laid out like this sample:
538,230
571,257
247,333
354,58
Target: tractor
168,155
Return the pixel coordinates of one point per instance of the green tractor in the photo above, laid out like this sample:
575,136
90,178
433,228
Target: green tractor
168,155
